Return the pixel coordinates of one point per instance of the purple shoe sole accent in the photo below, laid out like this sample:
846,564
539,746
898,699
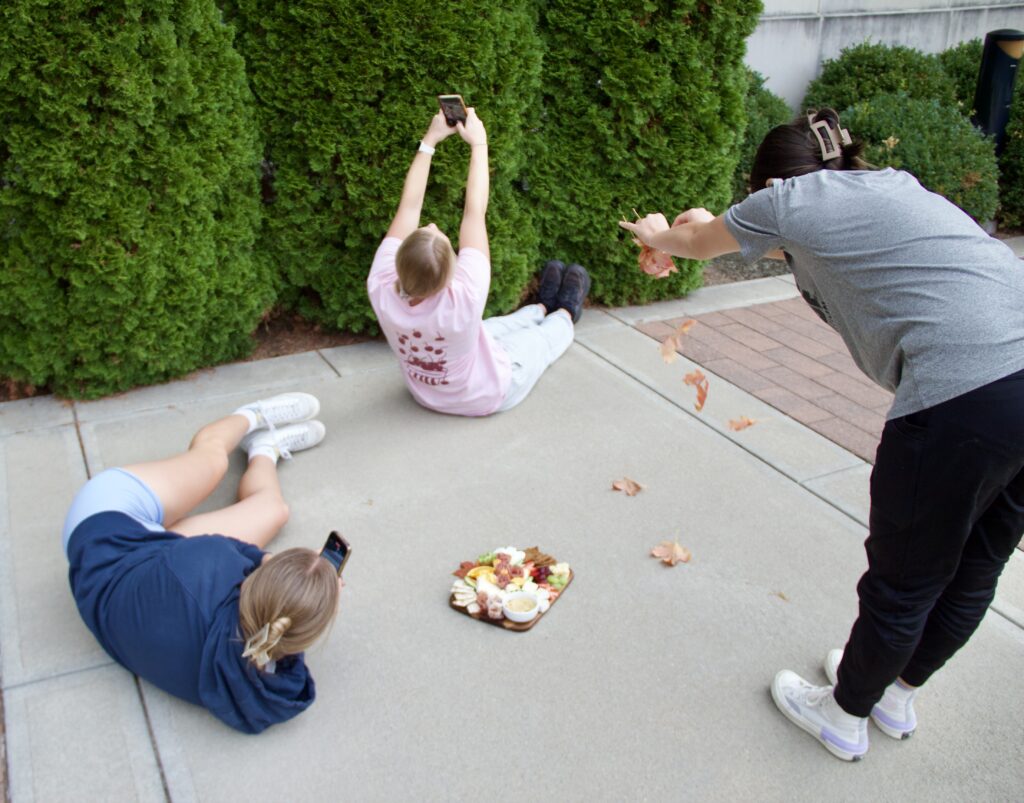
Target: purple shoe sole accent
854,748
900,730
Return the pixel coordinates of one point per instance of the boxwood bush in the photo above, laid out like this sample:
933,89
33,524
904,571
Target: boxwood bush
128,193
765,110
936,143
868,69
962,64
1011,164
643,108
346,88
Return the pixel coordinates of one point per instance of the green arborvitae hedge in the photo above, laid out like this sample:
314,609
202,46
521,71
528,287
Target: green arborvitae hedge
765,110
128,193
935,143
345,90
865,70
643,108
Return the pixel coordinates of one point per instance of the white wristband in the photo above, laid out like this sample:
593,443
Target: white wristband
425,148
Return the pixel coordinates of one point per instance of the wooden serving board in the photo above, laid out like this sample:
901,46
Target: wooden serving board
506,623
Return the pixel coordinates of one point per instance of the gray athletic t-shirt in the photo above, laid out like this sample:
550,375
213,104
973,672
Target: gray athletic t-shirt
929,305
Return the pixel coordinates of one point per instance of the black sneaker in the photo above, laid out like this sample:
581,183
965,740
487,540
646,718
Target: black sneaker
550,281
574,289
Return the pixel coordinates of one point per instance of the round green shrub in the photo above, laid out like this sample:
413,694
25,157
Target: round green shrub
962,64
128,194
935,143
765,110
1011,164
345,89
868,69
642,109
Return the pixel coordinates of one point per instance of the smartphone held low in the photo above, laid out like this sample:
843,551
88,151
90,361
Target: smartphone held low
336,551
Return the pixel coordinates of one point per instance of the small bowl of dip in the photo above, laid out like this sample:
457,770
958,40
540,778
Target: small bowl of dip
520,606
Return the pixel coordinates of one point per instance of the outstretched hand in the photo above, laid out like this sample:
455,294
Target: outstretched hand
646,227
697,215
438,130
472,131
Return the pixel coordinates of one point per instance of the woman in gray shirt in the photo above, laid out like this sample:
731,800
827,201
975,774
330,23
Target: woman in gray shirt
932,309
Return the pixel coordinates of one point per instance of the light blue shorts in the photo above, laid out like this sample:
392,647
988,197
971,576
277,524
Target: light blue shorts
119,491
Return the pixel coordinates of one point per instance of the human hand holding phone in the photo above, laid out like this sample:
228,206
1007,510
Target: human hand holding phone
472,131
438,130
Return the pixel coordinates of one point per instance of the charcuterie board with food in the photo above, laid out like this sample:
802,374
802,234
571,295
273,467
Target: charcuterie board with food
508,587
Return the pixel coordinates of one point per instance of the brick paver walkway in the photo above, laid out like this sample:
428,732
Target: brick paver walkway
785,355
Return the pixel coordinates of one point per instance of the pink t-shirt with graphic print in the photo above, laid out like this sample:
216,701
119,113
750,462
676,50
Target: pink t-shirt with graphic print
450,363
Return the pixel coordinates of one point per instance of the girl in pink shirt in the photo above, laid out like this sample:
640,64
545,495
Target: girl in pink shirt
430,302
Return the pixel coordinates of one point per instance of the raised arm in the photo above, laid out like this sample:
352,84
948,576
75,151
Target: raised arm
473,232
407,218
695,234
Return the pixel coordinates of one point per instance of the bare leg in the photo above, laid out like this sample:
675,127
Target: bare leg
257,516
182,482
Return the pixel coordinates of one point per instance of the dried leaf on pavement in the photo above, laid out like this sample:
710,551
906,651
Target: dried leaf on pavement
668,349
737,424
673,341
631,487
698,380
670,553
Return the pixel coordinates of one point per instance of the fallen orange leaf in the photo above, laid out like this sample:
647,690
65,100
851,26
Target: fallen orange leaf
671,553
631,487
736,424
671,343
668,349
702,396
694,377
698,380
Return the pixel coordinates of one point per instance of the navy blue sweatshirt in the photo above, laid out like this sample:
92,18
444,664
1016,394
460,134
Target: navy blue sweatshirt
166,608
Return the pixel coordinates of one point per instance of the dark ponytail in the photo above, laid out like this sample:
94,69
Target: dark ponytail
794,150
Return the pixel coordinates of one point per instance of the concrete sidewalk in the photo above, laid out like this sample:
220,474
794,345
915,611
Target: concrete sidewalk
643,683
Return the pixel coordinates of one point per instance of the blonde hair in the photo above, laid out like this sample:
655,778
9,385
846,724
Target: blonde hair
286,604
425,261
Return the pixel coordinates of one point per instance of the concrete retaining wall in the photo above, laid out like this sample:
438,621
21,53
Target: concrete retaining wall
795,36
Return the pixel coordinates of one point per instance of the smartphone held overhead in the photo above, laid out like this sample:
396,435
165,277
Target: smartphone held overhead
453,108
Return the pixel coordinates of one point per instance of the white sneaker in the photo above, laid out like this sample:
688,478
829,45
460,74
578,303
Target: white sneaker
285,408
282,442
815,710
894,714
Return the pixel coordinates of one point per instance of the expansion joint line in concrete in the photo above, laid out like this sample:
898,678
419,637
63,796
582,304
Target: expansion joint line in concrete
81,443
152,739
320,354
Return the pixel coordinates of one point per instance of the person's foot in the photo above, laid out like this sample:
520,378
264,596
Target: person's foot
894,714
573,291
550,281
285,408
275,443
814,709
